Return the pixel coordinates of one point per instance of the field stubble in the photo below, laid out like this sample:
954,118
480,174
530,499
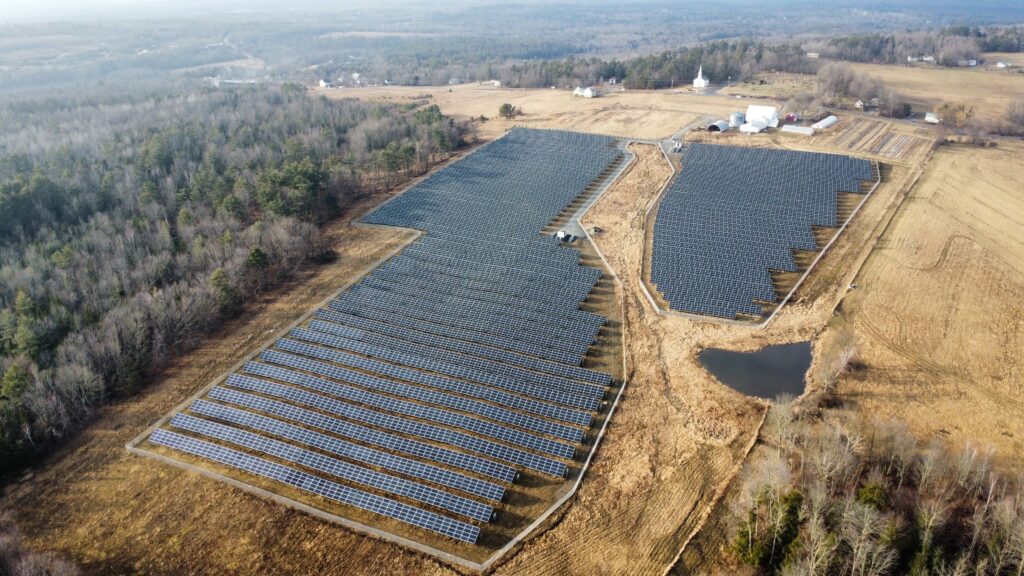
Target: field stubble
937,313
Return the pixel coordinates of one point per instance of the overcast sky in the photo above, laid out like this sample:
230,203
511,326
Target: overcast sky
49,10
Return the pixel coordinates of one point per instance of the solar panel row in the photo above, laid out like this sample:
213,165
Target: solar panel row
467,347
407,426
339,344
734,214
335,467
416,410
456,529
350,450
369,436
439,353
420,366
449,367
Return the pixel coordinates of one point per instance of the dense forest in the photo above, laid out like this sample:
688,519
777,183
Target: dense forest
721,60
131,225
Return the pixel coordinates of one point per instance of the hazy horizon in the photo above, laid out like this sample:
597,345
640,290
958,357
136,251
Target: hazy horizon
43,11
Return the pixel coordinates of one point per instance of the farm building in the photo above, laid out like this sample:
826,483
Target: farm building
588,92
720,126
802,130
766,115
700,81
825,123
932,118
736,119
325,83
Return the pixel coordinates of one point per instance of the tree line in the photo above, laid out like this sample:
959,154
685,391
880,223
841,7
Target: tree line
832,491
131,226
949,46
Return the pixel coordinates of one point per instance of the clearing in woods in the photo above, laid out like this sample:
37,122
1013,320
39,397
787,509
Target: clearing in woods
936,315
633,114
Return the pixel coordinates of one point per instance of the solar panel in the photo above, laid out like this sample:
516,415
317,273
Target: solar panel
733,214
370,436
335,467
449,367
423,412
443,525
350,450
403,425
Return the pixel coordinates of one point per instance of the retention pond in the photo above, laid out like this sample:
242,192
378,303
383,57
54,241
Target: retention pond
766,373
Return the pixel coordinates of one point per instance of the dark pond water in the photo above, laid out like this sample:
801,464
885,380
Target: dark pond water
765,373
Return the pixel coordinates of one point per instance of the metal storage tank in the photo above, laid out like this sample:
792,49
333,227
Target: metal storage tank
736,119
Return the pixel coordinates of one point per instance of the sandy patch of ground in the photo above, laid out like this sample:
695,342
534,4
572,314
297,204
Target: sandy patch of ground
937,312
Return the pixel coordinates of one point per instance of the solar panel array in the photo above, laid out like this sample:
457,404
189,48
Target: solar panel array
423,391
734,214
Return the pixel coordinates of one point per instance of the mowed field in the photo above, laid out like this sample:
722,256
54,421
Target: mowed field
938,305
636,114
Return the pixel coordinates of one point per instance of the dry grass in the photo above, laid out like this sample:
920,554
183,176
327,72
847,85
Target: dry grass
776,86
988,93
1016,58
637,114
938,308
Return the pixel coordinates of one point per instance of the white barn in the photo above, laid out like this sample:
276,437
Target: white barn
766,115
825,123
588,92
700,81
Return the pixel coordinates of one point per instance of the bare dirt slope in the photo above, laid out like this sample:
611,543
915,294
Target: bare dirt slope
938,309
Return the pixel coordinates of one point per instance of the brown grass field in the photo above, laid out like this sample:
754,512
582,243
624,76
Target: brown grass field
636,114
937,312
987,92
937,257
